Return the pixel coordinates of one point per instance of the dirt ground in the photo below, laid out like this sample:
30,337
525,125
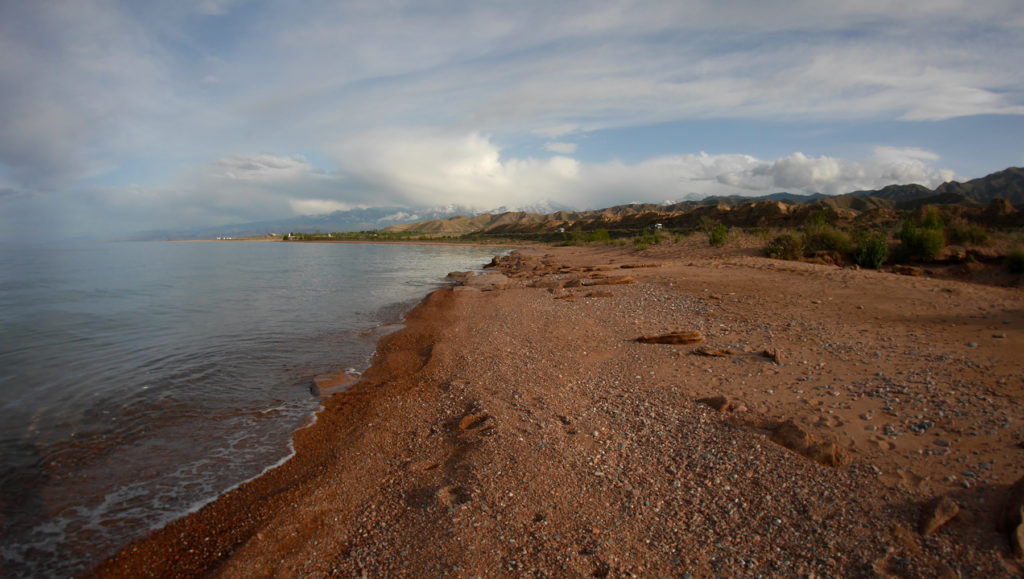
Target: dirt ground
801,425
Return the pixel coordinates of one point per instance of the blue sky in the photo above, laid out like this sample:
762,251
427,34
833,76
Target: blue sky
124,116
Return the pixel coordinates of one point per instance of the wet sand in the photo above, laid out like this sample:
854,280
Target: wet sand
516,426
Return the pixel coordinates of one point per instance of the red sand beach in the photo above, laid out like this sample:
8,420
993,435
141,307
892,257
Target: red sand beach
802,424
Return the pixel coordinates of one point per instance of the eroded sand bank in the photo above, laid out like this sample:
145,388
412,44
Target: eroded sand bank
516,426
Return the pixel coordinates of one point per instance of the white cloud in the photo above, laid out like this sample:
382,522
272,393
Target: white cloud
560,147
95,94
427,168
318,206
800,173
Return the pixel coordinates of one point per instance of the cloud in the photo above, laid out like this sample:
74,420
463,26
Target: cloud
318,206
425,168
561,148
264,167
115,106
798,172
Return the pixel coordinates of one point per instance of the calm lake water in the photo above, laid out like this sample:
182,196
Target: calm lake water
138,381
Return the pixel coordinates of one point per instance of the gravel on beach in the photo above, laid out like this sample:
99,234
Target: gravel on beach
517,427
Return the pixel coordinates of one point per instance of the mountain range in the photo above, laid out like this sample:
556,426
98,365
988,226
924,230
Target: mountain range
778,209
460,220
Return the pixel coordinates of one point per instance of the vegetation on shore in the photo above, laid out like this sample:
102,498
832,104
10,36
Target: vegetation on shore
820,232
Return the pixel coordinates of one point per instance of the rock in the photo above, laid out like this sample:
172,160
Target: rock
719,403
712,352
936,513
687,337
773,354
828,454
792,436
609,281
1012,518
489,281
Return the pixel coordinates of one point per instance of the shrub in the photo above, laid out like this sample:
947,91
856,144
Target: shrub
826,238
600,235
786,246
718,235
920,243
963,233
872,251
930,218
1015,260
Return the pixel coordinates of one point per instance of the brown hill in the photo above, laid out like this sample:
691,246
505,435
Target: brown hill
999,192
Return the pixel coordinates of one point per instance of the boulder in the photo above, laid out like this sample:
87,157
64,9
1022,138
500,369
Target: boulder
489,281
1011,520
936,513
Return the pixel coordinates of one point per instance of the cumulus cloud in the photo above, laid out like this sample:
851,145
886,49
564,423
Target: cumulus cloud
96,94
429,168
798,172
424,168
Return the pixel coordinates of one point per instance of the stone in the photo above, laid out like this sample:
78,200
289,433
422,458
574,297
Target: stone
792,436
686,337
1011,519
936,513
719,403
773,354
489,281
828,454
712,352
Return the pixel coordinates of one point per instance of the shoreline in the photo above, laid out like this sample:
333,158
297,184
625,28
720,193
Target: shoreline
515,424
195,543
516,245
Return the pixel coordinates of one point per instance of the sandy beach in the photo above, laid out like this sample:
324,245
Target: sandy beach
802,424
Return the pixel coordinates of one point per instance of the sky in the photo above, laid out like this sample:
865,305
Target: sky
118,117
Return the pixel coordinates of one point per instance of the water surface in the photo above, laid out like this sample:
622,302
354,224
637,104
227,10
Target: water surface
139,381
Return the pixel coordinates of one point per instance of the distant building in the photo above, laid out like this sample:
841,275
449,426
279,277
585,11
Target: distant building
657,226
561,230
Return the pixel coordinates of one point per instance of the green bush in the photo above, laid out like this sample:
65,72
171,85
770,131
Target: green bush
1015,260
600,235
872,251
920,243
930,218
646,239
718,235
964,233
826,238
786,246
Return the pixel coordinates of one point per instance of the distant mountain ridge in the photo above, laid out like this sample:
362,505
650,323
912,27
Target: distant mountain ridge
773,209
460,220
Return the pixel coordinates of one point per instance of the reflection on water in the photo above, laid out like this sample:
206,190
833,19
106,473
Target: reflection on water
141,380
